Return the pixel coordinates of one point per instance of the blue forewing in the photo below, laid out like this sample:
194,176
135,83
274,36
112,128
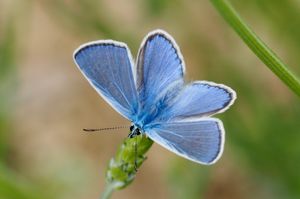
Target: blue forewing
108,67
160,71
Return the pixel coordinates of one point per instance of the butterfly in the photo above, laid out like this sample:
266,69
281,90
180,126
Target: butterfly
153,95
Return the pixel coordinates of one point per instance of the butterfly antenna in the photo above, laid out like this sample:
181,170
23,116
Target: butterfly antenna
105,129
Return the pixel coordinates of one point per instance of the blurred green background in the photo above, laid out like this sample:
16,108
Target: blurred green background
45,101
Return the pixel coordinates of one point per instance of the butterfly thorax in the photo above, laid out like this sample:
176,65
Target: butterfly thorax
153,106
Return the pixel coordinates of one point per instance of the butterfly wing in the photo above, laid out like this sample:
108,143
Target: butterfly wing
198,140
160,71
171,111
108,67
200,99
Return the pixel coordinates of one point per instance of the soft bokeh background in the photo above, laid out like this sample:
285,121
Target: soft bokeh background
45,101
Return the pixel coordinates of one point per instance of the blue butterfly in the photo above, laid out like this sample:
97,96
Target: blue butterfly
152,94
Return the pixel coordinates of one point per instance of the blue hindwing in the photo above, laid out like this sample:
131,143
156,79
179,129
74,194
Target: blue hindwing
198,140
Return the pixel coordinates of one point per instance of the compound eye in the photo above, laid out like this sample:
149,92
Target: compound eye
131,127
138,131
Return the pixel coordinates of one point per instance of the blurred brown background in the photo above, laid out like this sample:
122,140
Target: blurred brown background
45,101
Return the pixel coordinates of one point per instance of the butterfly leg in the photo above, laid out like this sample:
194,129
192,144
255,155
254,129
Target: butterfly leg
135,131
135,154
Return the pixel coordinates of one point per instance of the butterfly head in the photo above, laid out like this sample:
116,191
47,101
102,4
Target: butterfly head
134,131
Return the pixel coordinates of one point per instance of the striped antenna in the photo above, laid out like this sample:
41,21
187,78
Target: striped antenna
105,129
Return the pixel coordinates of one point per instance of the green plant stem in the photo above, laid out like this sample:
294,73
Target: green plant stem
109,189
265,54
121,170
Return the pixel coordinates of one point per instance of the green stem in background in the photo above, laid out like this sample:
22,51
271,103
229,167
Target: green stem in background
257,45
121,169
